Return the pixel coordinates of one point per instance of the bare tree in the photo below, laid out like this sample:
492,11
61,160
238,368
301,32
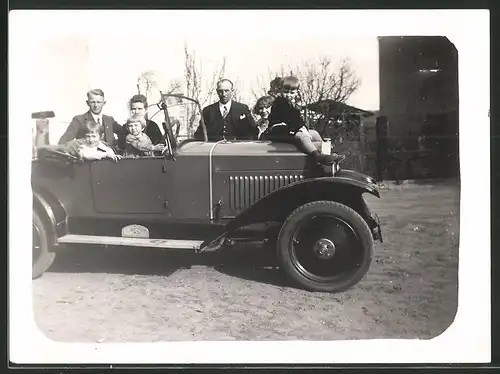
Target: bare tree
321,81
174,86
237,92
147,83
198,88
263,84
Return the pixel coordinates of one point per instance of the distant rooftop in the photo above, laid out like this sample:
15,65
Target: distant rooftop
333,108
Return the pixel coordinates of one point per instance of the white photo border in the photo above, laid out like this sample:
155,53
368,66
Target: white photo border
467,340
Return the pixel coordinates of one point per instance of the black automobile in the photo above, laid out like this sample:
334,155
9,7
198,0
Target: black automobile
205,195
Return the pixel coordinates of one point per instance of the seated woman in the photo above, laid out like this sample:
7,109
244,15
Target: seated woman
262,109
286,124
138,104
90,147
137,143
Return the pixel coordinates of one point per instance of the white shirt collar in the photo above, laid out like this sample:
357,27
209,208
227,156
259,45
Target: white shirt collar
227,105
95,116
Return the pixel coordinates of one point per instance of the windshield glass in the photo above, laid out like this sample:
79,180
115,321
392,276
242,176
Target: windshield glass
179,117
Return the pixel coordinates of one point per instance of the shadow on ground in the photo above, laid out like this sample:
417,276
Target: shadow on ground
250,262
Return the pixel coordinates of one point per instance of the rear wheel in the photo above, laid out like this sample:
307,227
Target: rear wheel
42,257
325,246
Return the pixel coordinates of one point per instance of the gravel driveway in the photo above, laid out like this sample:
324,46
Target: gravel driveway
145,295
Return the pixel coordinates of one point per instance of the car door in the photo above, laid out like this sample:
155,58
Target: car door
130,186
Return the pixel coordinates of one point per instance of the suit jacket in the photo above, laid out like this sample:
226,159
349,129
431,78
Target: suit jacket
241,118
110,127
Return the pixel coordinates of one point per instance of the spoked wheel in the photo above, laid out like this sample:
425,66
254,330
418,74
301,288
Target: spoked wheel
325,246
42,257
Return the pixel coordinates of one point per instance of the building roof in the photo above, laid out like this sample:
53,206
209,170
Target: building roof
332,108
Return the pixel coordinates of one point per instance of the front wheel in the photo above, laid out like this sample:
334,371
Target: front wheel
42,256
325,246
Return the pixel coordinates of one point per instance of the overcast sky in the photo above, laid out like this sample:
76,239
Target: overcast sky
62,54
79,50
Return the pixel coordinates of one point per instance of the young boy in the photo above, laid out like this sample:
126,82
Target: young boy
137,143
90,147
286,123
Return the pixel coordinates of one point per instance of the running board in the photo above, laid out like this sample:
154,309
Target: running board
131,242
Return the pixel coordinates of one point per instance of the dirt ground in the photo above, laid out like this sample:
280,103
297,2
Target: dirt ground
144,295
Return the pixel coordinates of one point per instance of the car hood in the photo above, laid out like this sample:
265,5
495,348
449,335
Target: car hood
239,148
242,148
259,157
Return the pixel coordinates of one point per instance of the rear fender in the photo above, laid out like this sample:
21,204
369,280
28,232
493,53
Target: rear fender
52,213
276,206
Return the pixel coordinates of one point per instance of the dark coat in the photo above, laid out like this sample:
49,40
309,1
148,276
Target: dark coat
283,111
153,131
110,127
239,123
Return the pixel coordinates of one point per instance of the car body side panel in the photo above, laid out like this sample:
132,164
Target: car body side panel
245,172
177,198
188,195
104,196
67,184
130,186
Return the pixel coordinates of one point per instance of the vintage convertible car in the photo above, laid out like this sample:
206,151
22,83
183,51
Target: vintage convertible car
204,195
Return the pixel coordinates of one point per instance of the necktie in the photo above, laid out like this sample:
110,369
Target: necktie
100,128
224,112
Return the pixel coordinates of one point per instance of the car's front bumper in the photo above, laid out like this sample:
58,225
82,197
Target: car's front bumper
372,219
377,230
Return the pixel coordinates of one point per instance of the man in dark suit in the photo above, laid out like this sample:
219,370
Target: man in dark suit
112,133
227,119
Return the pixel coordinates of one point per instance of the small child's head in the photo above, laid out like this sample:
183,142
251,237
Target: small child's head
263,106
135,124
275,87
92,134
290,87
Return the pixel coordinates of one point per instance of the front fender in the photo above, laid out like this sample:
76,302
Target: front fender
51,212
356,175
277,205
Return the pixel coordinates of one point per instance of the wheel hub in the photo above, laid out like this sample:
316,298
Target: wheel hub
324,248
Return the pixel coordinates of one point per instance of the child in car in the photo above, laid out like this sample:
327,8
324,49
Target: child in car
90,147
137,143
286,124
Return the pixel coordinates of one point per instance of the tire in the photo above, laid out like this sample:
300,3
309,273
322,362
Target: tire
325,246
42,256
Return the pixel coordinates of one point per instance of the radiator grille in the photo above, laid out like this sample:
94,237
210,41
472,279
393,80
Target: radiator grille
244,191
